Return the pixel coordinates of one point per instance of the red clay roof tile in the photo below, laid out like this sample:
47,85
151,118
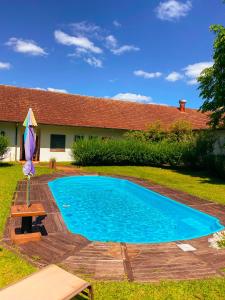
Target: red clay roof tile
75,110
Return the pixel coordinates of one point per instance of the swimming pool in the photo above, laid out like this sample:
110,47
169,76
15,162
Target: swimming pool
117,210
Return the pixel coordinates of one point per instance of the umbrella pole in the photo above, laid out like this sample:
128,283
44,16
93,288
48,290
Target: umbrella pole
28,190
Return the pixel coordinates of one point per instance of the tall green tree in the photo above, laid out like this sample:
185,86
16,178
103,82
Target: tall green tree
212,81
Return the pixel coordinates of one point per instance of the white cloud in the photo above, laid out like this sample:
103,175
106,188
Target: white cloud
170,10
84,48
196,69
125,48
112,45
79,41
5,65
147,75
85,27
38,88
79,51
57,90
116,23
193,71
83,39
174,76
93,61
111,41
192,82
132,97
49,89
26,46
190,73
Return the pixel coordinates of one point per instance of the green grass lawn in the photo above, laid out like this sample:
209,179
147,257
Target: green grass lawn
196,183
13,267
9,175
213,289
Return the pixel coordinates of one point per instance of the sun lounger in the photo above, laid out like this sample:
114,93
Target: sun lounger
50,283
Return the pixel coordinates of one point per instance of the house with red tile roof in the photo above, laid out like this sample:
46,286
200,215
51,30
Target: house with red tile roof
65,118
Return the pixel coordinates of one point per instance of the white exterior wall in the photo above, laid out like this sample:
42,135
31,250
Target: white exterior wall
13,152
46,130
70,132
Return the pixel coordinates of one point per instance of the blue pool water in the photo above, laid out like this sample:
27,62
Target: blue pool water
117,210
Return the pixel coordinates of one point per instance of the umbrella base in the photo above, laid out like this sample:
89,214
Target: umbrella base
26,226
26,232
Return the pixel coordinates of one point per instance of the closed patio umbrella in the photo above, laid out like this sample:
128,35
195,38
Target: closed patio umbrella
29,146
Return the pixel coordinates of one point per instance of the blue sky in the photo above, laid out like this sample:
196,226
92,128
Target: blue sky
144,50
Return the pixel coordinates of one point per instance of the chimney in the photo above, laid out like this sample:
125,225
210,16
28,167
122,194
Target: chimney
182,105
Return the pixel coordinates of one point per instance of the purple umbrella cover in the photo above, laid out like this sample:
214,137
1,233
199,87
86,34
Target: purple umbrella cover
29,145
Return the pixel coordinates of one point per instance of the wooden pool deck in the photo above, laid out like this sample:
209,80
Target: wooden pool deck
116,261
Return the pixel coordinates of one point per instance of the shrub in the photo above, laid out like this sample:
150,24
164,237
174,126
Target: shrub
3,145
155,132
136,135
180,131
200,148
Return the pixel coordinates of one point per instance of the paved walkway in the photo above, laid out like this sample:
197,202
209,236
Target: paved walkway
117,261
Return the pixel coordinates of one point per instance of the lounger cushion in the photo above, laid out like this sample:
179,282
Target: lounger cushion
50,283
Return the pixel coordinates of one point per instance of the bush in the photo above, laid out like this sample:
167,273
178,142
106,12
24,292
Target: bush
155,132
200,148
136,135
3,145
129,152
179,131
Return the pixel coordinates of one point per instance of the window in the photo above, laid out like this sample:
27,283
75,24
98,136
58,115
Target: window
57,142
2,133
93,137
78,138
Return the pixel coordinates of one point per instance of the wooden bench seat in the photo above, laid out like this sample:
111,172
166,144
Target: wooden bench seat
50,283
25,238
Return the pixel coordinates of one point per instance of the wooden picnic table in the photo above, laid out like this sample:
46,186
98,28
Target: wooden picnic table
27,214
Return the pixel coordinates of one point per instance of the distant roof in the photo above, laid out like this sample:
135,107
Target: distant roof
82,111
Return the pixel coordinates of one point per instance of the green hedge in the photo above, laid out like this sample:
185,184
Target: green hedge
131,152
195,153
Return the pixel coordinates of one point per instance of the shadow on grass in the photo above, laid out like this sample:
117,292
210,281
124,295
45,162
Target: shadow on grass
6,164
206,176
203,175
80,297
